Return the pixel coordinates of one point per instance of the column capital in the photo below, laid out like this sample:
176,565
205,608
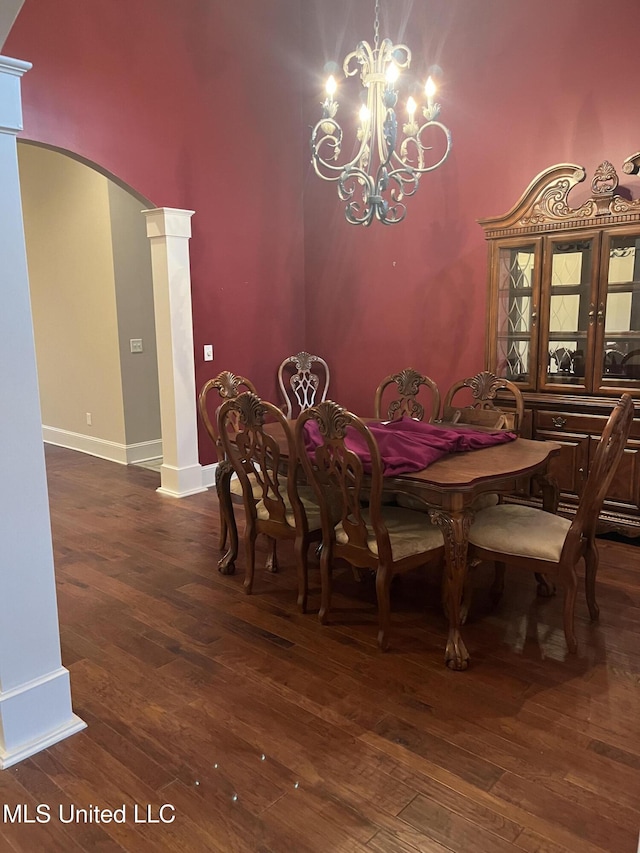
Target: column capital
168,222
11,70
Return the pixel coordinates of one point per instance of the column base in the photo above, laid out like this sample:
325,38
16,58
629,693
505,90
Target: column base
8,759
181,482
36,715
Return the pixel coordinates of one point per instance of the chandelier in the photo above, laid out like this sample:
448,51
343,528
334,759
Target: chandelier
384,169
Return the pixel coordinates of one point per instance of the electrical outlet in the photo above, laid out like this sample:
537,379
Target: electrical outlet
88,418
136,344
208,352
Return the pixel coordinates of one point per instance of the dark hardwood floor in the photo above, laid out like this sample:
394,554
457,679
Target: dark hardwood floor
269,733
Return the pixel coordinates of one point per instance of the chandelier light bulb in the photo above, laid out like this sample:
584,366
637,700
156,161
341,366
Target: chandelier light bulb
430,89
364,114
411,107
331,86
393,72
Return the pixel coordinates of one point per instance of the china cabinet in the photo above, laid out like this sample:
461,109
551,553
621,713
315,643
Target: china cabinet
564,320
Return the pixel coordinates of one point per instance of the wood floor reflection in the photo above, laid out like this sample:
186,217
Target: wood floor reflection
268,732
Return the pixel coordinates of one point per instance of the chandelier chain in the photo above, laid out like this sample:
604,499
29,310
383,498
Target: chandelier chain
376,27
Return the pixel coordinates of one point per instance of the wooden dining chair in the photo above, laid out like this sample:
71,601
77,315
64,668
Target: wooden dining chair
630,365
404,397
479,408
529,538
304,380
225,386
384,539
277,507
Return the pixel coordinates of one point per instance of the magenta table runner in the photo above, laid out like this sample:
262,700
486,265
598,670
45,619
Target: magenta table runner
408,445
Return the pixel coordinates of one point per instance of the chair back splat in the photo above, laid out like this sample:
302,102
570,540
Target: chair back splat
408,383
273,503
482,411
356,527
302,378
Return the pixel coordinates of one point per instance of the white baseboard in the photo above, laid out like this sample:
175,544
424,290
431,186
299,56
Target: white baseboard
35,715
8,759
209,475
144,451
124,454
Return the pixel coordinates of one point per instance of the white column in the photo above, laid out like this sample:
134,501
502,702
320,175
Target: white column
35,695
169,231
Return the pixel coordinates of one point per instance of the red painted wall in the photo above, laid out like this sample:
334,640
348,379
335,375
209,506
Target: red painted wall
526,85
171,97
194,104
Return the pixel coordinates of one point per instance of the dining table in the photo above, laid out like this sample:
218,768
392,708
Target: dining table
448,489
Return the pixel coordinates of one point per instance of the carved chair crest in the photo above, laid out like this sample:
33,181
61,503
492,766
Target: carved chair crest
408,382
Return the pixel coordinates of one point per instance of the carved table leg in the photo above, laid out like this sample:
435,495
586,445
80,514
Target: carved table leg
226,565
550,492
455,530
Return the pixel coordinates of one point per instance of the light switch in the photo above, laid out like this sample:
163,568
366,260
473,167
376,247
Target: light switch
208,352
136,344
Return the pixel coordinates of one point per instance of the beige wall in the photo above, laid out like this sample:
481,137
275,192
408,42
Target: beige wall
134,304
82,282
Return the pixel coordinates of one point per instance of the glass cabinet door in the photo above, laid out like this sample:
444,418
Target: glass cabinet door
513,327
618,315
569,311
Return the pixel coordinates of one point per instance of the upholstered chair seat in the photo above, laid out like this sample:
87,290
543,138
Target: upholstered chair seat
520,531
409,532
309,504
236,486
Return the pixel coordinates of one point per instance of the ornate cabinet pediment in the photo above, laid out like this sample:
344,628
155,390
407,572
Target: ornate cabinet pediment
545,206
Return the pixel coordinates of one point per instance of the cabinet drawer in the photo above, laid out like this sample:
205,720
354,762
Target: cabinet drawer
577,422
571,422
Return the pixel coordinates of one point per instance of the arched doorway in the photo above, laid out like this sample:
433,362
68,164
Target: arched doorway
92,304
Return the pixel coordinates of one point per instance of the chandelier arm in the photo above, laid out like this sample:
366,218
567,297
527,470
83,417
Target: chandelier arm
364,57
351,180
399,54
420,149
333,140
373,203
396,213
407,181
390,214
